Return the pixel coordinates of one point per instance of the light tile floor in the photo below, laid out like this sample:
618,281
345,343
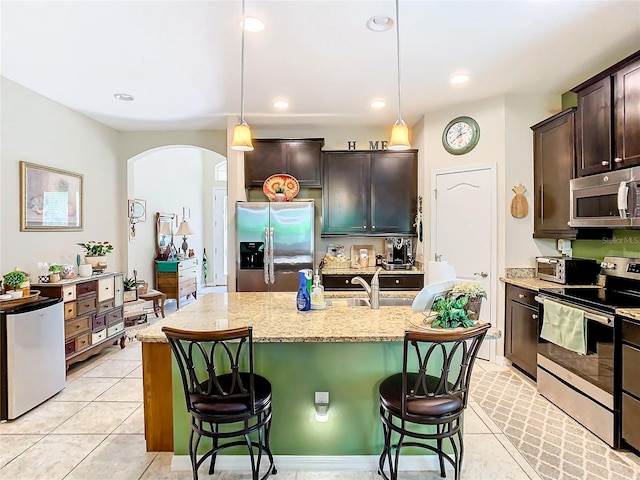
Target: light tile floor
94,430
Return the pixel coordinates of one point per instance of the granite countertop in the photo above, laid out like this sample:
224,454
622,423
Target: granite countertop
275,319
370,271
536,284
629,312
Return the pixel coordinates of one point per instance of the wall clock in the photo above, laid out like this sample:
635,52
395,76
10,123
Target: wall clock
460,135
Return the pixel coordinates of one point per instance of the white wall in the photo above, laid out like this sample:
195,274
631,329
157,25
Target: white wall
37,130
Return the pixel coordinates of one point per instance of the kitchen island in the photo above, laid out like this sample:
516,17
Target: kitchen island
345,351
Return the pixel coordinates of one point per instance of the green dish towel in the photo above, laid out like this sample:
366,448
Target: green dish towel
564,326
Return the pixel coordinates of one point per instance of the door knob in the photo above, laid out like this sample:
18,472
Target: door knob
482,274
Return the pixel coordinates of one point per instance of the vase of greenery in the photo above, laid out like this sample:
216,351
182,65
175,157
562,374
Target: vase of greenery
474,293
280,194
451,312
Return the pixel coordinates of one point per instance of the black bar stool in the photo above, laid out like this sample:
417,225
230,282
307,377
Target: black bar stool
432,391
218,393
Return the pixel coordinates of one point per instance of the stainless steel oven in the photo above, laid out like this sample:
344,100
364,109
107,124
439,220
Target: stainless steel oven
606,200
587,386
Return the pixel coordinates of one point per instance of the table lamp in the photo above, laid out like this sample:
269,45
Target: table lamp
184,229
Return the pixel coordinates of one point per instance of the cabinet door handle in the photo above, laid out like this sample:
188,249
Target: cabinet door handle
534,316
347,282
521,295
397,281
617,160
373,226
605,163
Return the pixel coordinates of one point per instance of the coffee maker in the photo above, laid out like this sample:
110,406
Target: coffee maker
398,254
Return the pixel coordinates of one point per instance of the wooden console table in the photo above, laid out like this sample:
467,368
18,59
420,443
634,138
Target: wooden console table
177,278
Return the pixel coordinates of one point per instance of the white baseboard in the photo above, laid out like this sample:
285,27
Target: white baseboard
342,463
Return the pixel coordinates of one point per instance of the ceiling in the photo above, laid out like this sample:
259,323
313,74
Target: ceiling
181,59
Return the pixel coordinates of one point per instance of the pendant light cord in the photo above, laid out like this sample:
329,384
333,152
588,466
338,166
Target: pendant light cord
242,122
398,57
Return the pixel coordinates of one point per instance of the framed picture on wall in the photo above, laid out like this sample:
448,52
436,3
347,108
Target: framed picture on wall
50,199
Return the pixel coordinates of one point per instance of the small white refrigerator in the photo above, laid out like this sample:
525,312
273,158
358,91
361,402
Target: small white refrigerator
32,356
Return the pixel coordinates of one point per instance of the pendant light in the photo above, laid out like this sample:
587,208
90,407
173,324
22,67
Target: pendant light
400,131
241,132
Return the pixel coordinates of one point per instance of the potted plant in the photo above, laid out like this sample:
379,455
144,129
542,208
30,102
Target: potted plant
67,272
13,280
95,253
280,193
54,272
474,293
451,313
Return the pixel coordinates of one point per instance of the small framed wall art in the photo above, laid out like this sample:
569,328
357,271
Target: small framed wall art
50,199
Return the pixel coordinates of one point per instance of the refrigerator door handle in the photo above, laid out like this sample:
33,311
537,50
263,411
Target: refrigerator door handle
272,276
266,255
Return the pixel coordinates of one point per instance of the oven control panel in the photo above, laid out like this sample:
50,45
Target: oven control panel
622,267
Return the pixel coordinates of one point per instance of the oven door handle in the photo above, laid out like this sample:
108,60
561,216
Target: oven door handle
588,314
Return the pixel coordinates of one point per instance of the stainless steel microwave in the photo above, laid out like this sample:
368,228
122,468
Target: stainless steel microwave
606,200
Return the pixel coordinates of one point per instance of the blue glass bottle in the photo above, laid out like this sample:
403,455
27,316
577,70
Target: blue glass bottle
303,298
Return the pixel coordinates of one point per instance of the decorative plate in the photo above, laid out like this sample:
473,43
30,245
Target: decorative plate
281,180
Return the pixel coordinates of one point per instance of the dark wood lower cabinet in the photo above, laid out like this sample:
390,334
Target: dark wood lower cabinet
521,329
387,281
630,383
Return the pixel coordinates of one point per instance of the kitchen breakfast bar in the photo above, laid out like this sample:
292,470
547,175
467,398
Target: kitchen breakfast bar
343,350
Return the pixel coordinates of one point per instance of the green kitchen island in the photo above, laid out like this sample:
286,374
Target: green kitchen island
343,350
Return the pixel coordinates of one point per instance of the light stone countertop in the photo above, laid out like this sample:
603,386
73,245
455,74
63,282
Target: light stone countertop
536,284
275,319
629,312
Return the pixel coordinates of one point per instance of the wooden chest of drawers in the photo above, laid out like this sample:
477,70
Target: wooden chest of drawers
92,313
177,279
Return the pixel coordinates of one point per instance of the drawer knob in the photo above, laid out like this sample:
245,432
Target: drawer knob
605,163
618,160
347,282
521,295
534,316
397,281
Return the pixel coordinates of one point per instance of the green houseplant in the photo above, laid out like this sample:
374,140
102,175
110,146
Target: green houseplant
14,279
130,283
451,313
96,249
54,272
474,293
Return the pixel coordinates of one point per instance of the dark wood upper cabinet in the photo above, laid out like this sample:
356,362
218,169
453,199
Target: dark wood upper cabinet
369,193
346,176
608,119
300,158
553,167
627,116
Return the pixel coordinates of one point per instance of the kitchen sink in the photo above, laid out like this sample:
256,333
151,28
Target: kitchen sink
364,302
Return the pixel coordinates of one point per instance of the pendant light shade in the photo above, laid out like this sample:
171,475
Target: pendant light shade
400,132
242,138
241,132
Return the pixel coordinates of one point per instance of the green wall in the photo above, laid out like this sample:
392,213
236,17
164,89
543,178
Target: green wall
350,372
625,243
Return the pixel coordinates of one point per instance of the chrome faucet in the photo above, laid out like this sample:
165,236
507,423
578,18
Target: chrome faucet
373,291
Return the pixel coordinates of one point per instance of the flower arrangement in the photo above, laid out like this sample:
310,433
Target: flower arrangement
469,289
96,249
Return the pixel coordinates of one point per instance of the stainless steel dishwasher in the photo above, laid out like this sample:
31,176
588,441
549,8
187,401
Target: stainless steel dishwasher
32,359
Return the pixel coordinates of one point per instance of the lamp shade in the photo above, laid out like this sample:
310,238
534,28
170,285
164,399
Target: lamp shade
242,138
165,228
399,137
184,229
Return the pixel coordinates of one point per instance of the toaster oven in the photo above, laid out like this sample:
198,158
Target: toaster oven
567,270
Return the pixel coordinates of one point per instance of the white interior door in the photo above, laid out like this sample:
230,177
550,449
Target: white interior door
220,231
464,231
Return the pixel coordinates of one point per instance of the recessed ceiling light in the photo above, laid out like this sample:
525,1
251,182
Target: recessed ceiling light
253,24
378,104
125,97
460,78
379,23
280,104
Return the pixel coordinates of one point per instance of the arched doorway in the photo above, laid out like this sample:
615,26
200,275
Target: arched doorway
178,179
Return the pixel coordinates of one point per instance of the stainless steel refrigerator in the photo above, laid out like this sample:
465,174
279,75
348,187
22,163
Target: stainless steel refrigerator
275,240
